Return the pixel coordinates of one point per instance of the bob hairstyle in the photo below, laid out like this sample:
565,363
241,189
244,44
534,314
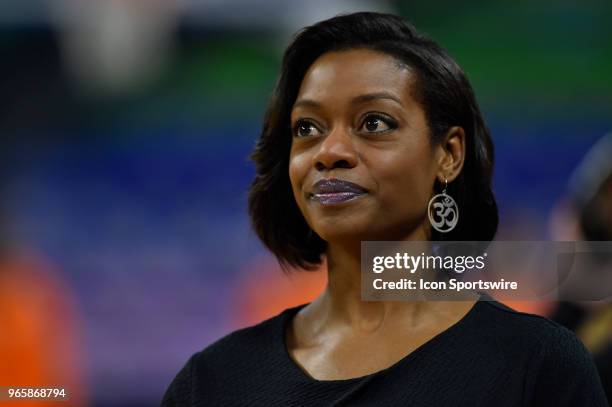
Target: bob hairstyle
441,88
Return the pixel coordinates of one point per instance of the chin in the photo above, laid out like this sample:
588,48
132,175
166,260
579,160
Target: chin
345,235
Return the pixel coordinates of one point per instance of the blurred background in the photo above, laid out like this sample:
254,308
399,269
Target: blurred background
125,130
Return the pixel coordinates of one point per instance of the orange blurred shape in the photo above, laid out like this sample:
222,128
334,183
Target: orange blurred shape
263,290
39,344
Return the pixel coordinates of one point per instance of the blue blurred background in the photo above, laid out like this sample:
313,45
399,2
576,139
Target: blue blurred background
125,130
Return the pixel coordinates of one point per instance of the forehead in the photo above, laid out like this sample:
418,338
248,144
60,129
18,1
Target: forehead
354,72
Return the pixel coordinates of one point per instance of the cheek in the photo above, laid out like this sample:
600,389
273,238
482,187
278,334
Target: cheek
406,180
298,170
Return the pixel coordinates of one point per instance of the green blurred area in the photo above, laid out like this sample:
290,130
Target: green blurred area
522,58
551,54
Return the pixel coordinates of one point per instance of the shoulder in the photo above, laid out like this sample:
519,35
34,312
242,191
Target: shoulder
545,341
228,360
557,365
507,330
262,336
523,327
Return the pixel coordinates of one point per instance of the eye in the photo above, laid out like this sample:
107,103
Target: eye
305,128
378,123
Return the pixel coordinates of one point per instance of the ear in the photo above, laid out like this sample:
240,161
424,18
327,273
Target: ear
452,156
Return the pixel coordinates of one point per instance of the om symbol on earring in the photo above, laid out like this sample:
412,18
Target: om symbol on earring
443,211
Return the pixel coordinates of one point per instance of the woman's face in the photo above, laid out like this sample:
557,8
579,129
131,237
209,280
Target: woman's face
361,163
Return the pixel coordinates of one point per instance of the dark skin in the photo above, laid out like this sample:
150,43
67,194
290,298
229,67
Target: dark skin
356,119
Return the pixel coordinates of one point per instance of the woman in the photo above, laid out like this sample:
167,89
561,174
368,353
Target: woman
368,121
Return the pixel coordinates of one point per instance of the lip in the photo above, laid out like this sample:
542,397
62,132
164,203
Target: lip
335,191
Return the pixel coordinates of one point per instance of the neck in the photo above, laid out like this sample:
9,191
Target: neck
341,301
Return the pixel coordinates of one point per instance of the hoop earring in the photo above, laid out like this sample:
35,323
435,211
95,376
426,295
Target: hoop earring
443,211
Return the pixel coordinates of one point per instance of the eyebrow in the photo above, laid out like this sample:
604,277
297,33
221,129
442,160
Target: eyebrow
377,95
368,97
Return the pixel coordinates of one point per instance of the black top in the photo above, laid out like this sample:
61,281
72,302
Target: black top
494,356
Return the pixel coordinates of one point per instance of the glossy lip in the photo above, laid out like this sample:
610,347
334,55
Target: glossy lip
335,191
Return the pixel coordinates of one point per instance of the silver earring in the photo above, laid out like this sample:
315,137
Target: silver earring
443,211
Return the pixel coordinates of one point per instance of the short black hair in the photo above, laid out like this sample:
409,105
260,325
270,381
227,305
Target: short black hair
441,88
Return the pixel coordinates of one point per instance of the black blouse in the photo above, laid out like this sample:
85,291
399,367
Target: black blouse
494,356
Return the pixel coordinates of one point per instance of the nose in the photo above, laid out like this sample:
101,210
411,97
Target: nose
336,151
